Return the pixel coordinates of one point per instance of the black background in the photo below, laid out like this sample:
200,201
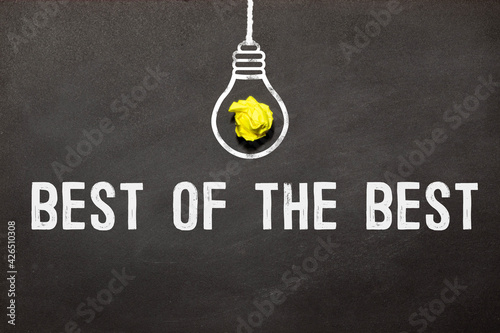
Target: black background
349,123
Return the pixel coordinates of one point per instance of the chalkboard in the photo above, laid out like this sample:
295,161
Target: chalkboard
376,91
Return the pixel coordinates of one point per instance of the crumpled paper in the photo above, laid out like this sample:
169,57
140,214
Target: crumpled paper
253,119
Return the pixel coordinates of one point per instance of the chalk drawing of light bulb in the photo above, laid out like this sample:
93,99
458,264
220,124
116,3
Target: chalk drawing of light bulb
249,67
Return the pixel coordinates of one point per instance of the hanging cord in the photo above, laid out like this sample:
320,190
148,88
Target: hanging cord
249,39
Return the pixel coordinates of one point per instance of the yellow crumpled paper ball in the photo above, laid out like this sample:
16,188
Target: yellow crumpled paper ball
253,119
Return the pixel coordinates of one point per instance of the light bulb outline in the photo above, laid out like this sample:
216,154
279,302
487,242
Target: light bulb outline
235,76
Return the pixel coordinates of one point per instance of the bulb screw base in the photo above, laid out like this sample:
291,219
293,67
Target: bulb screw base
248,61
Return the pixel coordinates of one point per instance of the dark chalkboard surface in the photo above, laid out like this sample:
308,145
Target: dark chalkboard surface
367,84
